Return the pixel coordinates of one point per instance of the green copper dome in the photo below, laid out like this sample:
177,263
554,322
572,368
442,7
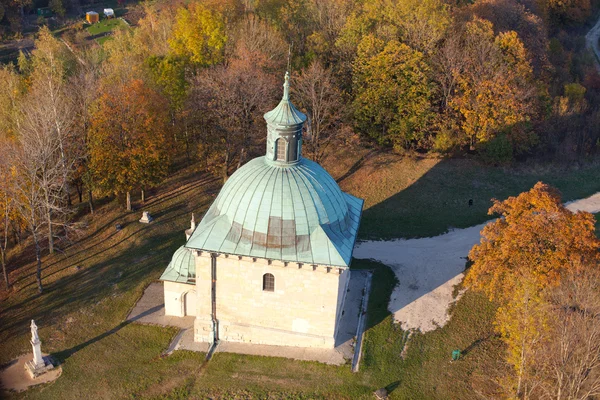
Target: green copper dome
182,267
296,213
282,206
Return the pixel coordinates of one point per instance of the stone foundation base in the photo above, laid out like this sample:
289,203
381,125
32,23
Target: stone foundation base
35,371
203,330
244,333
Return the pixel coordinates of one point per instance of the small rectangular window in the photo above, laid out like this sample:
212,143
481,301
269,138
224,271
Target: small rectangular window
281,150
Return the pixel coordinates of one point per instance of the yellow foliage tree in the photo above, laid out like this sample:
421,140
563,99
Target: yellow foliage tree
199,35
495,89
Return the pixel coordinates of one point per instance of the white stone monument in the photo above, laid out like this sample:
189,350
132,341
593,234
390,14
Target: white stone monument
146,217
39,364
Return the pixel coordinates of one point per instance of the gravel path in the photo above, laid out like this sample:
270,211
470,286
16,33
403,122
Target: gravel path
429,268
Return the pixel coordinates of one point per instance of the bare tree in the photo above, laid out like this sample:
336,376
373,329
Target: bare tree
29,195
6,207
46,136
569,361
83,86
232,97
319,96
257,36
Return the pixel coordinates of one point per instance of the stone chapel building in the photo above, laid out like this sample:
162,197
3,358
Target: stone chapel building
269,262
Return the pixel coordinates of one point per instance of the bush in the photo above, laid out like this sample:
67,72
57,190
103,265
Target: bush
499,150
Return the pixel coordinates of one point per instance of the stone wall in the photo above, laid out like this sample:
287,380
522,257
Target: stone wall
174,298
301,311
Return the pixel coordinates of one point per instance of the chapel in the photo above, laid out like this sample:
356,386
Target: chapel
269,261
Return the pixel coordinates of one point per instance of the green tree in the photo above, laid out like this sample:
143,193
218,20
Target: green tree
129,138
58,7
393,93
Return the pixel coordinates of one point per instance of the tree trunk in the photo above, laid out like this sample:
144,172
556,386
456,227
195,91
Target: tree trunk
241,160
4,271
91,202
50,233
4,246
224,173
128,201
143,196
38,257
79,193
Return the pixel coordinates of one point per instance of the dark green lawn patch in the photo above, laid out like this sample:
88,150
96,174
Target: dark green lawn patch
425,197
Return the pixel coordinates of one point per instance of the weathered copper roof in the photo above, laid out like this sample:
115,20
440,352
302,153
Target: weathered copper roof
294,213
182,267
285,114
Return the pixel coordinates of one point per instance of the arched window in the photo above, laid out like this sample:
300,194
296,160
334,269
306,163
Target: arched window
281,147
268,283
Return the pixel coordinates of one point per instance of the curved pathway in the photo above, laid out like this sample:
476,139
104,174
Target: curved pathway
428,269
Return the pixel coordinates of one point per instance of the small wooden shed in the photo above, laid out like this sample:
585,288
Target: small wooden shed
92,17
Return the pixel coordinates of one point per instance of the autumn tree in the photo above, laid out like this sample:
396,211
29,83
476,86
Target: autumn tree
8,211
199,35
393,93
129,138
48,119
317,93
231,99
11,93
567,363
495,87
524,253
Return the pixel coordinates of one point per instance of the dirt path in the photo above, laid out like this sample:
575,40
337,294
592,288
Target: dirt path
429,268
591,40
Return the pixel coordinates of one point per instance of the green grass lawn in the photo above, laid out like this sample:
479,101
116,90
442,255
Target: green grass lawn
105,25
91,288
426,197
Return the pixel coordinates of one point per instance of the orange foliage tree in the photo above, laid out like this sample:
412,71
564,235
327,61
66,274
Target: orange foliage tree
129,138
536,238
521,257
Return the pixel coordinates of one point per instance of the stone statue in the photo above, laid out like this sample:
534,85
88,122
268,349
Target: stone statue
38,365
34,332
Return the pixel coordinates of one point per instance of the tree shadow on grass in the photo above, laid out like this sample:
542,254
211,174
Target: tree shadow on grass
62,356
87,287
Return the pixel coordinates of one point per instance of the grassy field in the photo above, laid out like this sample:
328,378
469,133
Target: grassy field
104,27
91,287
423,197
